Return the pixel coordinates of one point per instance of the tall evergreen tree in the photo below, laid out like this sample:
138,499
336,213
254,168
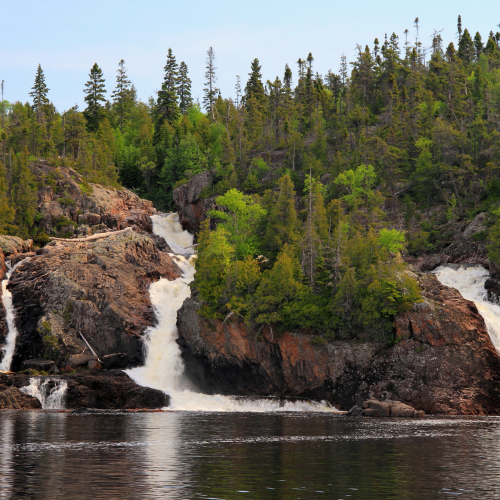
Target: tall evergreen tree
167,107
478,43
184,88
122,95
94,90
210,90
466,49
39,91
254,90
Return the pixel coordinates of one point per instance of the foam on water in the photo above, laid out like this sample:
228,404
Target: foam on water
164,369
51,397
469,281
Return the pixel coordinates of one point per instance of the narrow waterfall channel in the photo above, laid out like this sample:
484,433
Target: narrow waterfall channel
469,281
164,369
10,344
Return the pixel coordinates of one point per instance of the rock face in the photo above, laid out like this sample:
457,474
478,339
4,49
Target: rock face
111,390
97,289
65,202
192,209
443,363
12,398
105,389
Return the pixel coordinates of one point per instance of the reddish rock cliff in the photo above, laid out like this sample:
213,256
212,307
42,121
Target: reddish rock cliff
444,361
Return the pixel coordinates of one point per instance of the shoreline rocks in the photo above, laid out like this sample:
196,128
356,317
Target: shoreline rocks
106,389
387,408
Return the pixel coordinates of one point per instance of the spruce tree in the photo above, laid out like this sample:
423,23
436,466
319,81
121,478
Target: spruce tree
39,91
478,43
94,90
167,107
254,90
210,90
466,49
184,88
122,94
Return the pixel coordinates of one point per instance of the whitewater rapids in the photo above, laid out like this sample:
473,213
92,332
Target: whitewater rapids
164,368
469,281
10,341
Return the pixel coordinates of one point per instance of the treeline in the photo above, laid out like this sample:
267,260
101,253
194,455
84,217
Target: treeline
403,127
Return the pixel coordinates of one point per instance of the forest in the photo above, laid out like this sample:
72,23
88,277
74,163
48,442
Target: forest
309,171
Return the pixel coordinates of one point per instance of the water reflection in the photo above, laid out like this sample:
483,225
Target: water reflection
260,456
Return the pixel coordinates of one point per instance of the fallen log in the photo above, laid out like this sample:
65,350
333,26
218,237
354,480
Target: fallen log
93,237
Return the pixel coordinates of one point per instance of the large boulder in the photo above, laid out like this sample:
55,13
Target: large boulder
444,361
191,208
11,398
11,245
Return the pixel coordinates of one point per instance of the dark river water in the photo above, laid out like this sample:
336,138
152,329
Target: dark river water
48,455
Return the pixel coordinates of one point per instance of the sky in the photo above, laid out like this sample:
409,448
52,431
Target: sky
67,38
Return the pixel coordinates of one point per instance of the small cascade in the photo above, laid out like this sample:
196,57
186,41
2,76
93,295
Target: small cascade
469,281
50,392
164,368
8,349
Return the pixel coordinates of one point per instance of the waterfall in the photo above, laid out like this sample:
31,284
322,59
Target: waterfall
50,392
469,281
8,349
164,368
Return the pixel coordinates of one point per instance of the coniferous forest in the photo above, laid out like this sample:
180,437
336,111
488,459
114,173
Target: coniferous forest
310,171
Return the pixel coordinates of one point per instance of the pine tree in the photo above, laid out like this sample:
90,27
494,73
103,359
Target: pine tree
210,90
184,88
167,108
39,91
122,93
95,91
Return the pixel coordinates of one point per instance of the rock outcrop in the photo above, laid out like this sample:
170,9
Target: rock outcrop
107,389
191,208
11,398
387,408
444,361
66,202
94,291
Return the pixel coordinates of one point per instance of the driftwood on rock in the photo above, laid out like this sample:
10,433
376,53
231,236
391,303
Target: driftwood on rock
93,237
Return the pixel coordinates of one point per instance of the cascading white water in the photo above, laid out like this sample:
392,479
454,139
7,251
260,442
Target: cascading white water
164,368
52,398
469,281
10,344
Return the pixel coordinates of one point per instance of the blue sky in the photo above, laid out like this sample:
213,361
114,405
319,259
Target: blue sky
66,38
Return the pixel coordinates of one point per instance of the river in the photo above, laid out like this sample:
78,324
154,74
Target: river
188,455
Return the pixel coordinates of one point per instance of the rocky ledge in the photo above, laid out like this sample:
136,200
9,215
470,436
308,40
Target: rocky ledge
443,362
107,389
87,292
65,202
